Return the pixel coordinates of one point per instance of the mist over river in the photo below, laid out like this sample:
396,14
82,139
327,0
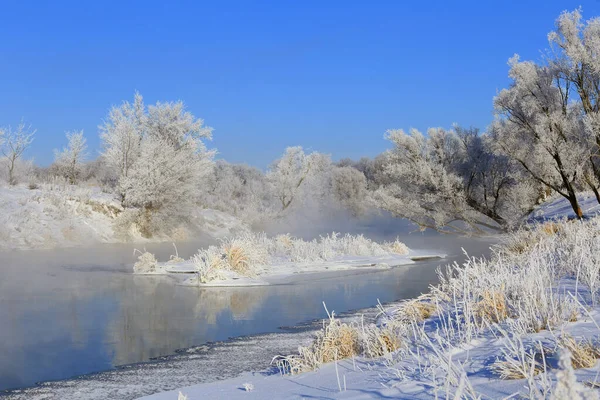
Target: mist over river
69,312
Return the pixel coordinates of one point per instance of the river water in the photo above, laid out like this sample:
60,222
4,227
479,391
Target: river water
70,312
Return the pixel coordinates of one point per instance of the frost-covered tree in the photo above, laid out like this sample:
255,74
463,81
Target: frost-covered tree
161,161
450,181
574,57
240,190
69,161
13,143
296,174
121,134
349,188
539,127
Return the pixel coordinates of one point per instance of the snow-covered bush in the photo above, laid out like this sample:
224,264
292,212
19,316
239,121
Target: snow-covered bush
209,264
245,253
146,263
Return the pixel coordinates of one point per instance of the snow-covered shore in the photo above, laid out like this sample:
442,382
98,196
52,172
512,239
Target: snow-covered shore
58,216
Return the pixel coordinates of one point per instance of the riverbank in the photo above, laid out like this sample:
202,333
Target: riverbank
60,216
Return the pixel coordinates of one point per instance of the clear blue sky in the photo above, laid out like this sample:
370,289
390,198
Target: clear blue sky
331,76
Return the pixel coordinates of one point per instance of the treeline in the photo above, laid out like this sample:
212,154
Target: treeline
544,139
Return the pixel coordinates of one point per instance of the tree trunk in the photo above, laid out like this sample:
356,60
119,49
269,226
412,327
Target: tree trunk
575,205
596,193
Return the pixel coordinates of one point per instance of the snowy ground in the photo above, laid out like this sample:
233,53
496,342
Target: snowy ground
382,379
56,216
558,207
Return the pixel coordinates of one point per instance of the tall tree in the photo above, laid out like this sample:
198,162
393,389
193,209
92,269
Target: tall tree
539,127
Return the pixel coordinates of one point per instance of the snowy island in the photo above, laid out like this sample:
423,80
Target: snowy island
253,259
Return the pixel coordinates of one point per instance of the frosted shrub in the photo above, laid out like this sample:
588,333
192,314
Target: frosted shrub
146,263
209,263
245,252
396,247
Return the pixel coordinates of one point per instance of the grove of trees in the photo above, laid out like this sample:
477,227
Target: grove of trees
544,139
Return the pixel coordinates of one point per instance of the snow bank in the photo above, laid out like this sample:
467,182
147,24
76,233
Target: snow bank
63,215
254,259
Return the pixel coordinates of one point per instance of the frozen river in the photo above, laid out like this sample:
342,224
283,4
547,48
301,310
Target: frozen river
70,312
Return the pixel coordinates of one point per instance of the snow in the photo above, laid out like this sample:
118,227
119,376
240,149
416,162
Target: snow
55,216
558,207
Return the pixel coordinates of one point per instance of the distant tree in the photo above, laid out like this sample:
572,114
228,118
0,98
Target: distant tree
349,188
13,144
240,190
295,174
121,135
69,161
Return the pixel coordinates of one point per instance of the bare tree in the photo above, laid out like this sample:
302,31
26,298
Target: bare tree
14,144
69,161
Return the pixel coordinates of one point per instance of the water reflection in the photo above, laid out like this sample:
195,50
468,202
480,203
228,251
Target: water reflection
76,311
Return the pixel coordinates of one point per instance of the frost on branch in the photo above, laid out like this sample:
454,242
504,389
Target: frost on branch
451,181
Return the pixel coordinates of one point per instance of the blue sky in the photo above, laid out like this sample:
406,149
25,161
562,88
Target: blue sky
331,76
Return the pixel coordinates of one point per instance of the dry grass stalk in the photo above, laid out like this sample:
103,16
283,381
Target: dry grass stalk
511,369
337,341
415,310
492,306
583,353
551,228
237,259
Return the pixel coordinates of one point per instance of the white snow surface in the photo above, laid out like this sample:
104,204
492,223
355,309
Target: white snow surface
558,207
